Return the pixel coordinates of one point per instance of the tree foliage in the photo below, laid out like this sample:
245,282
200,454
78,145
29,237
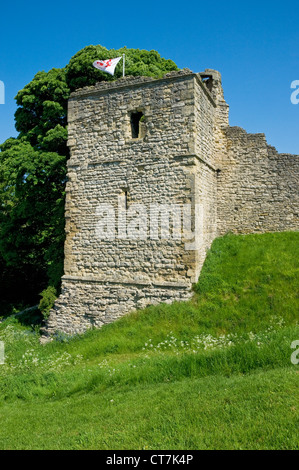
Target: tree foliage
33,169
31,211
80,71
42,106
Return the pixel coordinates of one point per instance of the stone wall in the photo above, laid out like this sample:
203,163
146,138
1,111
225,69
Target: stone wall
257,187
105,278
185,155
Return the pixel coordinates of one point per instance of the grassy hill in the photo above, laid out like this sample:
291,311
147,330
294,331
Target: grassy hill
212,373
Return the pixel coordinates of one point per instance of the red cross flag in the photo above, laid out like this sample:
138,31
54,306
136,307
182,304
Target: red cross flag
107,65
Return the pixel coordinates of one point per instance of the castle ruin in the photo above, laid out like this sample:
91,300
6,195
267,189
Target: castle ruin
145,149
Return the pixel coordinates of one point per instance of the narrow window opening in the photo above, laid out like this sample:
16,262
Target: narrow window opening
124,198
135,124
208,81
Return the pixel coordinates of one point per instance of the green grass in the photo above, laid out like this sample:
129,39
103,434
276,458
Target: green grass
212,373
255,411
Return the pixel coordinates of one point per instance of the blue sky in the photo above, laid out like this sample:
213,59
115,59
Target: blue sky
254,44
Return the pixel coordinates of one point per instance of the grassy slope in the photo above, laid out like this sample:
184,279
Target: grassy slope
211,373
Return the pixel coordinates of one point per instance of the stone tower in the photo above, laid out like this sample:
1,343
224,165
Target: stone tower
155,174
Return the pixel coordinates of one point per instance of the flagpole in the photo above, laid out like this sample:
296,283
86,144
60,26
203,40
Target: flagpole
123,65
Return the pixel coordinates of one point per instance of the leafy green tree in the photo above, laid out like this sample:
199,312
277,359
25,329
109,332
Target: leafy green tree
80,71
33,170
31,213
41,113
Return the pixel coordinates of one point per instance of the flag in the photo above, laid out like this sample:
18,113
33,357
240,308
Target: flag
107,65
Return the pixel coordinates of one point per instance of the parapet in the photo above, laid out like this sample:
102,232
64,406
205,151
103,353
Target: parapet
132,81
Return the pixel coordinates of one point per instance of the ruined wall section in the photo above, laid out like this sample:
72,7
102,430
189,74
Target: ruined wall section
257,187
